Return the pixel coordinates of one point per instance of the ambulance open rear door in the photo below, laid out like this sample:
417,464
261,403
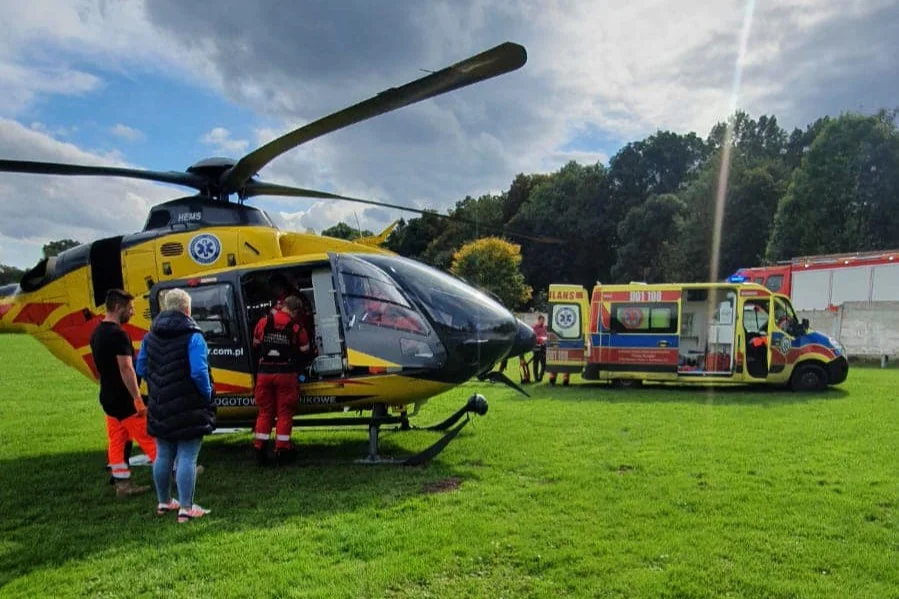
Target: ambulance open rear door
567,327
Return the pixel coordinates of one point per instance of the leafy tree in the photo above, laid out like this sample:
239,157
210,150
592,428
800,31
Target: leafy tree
660,164
756,140
476,218
646,232
800,141
845,194
411,238
753,190
569,204
518,194
10,274
344,231
493,264
54,248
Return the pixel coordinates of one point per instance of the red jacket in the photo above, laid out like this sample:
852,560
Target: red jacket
540,331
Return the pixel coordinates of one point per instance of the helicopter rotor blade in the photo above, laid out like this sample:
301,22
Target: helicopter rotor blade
59,168
259,188
498,60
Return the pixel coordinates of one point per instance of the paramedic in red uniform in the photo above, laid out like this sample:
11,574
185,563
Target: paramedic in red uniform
539,354
126,414
283,346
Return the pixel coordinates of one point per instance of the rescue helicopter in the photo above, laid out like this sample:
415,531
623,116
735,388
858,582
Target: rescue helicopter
389,332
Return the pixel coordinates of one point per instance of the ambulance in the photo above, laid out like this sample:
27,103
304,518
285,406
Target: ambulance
696,333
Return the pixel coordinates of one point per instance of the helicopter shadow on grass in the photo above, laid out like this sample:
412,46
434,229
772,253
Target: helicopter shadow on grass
668,393
59,507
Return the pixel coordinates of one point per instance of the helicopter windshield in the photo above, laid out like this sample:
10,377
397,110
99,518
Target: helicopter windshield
372,298
450,303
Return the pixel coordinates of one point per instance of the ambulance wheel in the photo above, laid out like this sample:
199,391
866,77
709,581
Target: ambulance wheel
809,377
626,383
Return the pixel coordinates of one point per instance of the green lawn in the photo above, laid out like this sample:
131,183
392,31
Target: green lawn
579,491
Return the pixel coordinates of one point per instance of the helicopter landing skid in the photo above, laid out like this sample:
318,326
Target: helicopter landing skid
476,403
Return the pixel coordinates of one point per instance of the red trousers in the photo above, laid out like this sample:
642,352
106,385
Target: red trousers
276,394
119,433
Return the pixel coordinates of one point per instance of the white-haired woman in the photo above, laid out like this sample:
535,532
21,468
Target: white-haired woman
180,411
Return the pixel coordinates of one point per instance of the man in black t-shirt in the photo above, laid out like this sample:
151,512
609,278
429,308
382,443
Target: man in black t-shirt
126,414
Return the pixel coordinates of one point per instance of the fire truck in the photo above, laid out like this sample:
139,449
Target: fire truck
826,281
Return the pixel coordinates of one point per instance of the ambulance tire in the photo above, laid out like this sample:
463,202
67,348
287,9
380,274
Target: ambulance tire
626,383
809,377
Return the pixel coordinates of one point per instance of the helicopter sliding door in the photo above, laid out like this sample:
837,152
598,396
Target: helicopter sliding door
216,307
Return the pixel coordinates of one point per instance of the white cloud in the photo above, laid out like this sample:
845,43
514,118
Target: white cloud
39,208
21,85
220,139
127,133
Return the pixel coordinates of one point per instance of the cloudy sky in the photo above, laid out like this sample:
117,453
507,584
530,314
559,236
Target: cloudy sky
165,83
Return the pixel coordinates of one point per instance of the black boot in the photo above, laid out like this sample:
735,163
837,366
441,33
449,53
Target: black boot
261,456
284,457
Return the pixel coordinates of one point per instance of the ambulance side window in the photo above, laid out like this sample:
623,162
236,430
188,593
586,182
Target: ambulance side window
755,316
643,318
565,320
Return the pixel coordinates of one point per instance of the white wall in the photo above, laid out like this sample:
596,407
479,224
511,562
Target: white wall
865,329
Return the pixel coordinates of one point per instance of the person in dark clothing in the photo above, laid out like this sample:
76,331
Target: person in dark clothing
120,397
180,410
540,349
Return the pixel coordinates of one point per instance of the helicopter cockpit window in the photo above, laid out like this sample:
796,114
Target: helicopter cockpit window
451,304
212,308
371,298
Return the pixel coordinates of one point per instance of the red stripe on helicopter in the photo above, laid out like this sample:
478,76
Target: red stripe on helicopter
4,308
36,314
77,330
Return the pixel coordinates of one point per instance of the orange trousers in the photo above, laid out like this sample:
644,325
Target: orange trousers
275,394
119,433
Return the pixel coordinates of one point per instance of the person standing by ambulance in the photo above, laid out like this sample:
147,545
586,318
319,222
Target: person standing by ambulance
126,414
283,348
540,349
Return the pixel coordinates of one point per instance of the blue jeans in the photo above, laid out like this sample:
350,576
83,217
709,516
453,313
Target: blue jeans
186,453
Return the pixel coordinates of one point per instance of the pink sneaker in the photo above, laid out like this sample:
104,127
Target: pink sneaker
194,512
163,508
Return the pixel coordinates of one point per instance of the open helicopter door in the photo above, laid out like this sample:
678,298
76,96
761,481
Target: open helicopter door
383,331
216,304
329,358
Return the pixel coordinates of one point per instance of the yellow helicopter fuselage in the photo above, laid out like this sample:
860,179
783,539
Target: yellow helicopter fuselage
224,268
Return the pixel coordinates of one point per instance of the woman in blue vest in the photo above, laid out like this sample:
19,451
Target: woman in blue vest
180,411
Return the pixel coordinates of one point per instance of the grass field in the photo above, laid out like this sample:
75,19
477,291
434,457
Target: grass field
579,491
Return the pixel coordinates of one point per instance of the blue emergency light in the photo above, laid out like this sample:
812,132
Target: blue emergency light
737,278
